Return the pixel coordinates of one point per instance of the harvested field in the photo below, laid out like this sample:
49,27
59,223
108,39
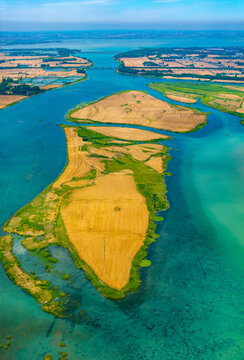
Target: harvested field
138,152
138,61
79,163
126,133
238,88
50,87
228,101
102,208
107,224
156,163
29,73
138,108
224,98
175,62
6,100
181,98
241,109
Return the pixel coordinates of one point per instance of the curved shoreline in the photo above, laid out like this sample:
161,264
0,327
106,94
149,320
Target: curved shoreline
41,221
45,90
61,239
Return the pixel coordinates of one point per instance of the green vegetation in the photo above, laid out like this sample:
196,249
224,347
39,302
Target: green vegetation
66,276
80,71
145,263
8,87
64,354
41,225
84,148
99,140
151,185
47,357
210,95
168,56
150,64
7,345
41,290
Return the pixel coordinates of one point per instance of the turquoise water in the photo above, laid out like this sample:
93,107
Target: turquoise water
189,305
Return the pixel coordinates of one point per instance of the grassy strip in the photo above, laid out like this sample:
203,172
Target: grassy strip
99,140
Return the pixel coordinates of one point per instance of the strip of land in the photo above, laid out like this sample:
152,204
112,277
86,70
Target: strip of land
6,100
222,97
139,108
126,133
30,72
225,64
103,207
39,289
31,63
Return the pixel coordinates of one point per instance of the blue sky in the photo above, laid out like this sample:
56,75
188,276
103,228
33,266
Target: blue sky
121,13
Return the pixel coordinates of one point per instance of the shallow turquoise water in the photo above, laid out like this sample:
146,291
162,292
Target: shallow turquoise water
189,303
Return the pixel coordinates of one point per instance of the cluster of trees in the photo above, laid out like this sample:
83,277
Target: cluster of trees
8,87
150,63
133,71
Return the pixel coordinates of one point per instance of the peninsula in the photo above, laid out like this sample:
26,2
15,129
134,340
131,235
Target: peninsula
227,98
27,72
104,205
218,64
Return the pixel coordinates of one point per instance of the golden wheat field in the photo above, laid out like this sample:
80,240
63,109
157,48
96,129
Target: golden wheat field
138,108
79,163
181,98
128,133
107,224
6,100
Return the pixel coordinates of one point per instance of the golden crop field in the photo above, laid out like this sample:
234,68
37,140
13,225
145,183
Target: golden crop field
138,108
126,133
107,224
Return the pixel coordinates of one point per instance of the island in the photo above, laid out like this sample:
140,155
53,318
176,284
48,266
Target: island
141,109
104,206
27,72
218,64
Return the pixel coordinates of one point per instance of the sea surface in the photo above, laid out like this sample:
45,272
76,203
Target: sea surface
190,302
